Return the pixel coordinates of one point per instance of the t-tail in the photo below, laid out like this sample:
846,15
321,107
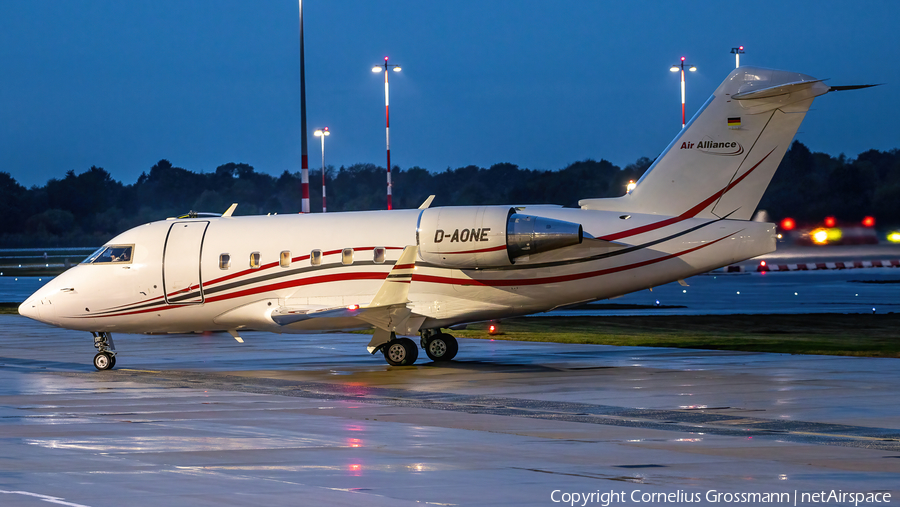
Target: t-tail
721,162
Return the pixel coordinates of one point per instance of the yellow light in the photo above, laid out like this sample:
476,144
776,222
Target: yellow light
692,69
674,68
630,186
376,69
397,69
317,133
819,236
894,237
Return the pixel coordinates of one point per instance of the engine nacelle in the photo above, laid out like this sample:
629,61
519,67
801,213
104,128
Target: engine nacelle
488,236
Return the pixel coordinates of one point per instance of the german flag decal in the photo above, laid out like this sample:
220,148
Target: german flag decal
734,123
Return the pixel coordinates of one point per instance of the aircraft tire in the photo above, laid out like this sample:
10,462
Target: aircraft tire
442,347
103,361
112,362
401,352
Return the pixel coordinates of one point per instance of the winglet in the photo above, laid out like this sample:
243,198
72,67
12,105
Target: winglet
395,288
230,210
427,202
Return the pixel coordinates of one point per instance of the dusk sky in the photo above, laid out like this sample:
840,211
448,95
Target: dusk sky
123,84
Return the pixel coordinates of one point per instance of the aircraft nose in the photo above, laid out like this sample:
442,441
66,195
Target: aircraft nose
31,308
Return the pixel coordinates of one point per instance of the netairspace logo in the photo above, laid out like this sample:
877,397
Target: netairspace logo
714,497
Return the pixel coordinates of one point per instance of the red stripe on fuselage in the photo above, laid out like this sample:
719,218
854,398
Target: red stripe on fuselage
556,279
691,213
421,278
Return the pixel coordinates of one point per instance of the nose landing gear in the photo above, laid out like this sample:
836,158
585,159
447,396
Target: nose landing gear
106,357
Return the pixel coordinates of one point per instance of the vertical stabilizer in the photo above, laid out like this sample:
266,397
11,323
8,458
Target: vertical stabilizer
722,161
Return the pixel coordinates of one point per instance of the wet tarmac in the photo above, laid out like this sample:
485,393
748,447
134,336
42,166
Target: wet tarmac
314,420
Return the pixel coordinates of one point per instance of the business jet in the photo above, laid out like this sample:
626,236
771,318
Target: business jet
421,272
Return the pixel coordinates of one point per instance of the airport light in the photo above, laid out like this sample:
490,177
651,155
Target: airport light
322,134
387,121
630,186
737,52
676,68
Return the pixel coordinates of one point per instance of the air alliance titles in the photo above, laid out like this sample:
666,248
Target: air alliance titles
708,145
726,148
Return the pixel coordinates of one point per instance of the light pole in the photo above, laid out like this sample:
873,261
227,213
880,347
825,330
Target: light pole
387,121
737,52
675,68
322,133
304,162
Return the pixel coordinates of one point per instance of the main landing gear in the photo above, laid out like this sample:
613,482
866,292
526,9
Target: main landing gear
400,351
403,351
106,357
439,346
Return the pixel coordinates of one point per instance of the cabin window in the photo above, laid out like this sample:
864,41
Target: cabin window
315,257
118,254
347,256
379,255
285,259
224,261
254,260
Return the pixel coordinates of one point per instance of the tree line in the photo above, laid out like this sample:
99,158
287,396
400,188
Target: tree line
87,209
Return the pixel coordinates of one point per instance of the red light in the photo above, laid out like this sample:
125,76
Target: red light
492,329
762,263
682,58
741,48
830,221
353,307
788,224
385,58
869,221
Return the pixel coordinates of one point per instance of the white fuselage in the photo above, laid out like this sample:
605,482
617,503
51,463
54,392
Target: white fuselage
144,295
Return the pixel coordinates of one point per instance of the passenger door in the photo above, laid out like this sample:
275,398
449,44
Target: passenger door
182,280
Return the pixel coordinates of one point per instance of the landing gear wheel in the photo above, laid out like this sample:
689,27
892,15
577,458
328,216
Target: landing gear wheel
442,347
401,352
104,361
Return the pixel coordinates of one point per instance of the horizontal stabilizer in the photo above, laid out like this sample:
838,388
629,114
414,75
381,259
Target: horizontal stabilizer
775,91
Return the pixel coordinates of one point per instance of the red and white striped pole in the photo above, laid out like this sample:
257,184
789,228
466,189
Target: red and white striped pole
387,122
304,159
387,133
321,133
676,68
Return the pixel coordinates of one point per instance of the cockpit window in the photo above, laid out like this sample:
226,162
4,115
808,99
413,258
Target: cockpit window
119,254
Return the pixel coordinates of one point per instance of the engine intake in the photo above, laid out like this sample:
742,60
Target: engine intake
488,236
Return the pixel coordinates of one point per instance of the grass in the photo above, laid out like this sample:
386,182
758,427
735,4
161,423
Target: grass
828,334
831,334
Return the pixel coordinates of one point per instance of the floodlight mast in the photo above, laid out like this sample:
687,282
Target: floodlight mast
387,120
322,133
304,159
675,68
